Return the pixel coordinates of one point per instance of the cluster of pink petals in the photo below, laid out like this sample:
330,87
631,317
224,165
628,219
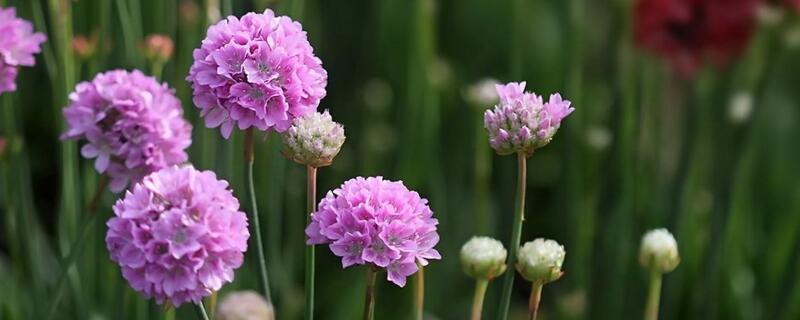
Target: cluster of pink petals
132,124
522,121
258,71
18,44
378,222
178,235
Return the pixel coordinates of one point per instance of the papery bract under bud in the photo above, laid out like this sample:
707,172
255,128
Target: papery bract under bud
132,125
541,260
178,235
522,121
377,222
18,44
244,305
483,258
659,251
258,71
313,139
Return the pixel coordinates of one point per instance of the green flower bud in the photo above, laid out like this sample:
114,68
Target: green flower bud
541,260
483,258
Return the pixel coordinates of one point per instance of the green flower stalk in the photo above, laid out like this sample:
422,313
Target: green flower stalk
482,258
658,254
313,140
519,124
539,261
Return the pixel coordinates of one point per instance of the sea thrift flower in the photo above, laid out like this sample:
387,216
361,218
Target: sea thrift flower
689,32
178,235
376,222
659,251
483,258
541,260
314,139
84,47
522,122
258,71
244,305
18,44
158,47
132,124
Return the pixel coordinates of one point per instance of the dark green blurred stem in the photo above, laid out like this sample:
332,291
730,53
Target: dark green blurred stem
482,171
477,300
212,303
653,296
128,33
516,234
227,8
517,9
419,293
311,206
201,311
169,314
156,69
296,10
369,301
249,157
67,264
533,301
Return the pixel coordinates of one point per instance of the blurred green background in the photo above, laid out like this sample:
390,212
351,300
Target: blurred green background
713,158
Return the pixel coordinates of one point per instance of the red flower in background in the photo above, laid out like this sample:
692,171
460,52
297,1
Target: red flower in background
794,4
688,33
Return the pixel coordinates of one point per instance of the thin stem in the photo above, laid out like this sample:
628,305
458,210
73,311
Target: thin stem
212,303
533,302
98,194
68,263
508,281
169,313
477,300
311,206
653,297
369,303
201,311
262,262
419,293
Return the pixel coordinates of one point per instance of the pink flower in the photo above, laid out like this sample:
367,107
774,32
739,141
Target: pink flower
258,71
18,44
522,122
178,235
132,124
378,222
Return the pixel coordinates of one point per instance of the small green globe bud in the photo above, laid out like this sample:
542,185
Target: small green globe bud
483,258
313,140
659,251
541,260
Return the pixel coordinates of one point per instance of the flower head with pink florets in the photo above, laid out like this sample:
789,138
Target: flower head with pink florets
258,71
379,223
522,121
178,235
18,44
132,124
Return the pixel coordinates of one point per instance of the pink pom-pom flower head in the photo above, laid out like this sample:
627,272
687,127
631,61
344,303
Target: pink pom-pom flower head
178,235
258,71
132,125
522,121
376,222
18,44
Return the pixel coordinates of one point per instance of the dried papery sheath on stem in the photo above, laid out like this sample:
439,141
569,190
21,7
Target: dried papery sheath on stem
313,139
541,260
483,258
659,251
